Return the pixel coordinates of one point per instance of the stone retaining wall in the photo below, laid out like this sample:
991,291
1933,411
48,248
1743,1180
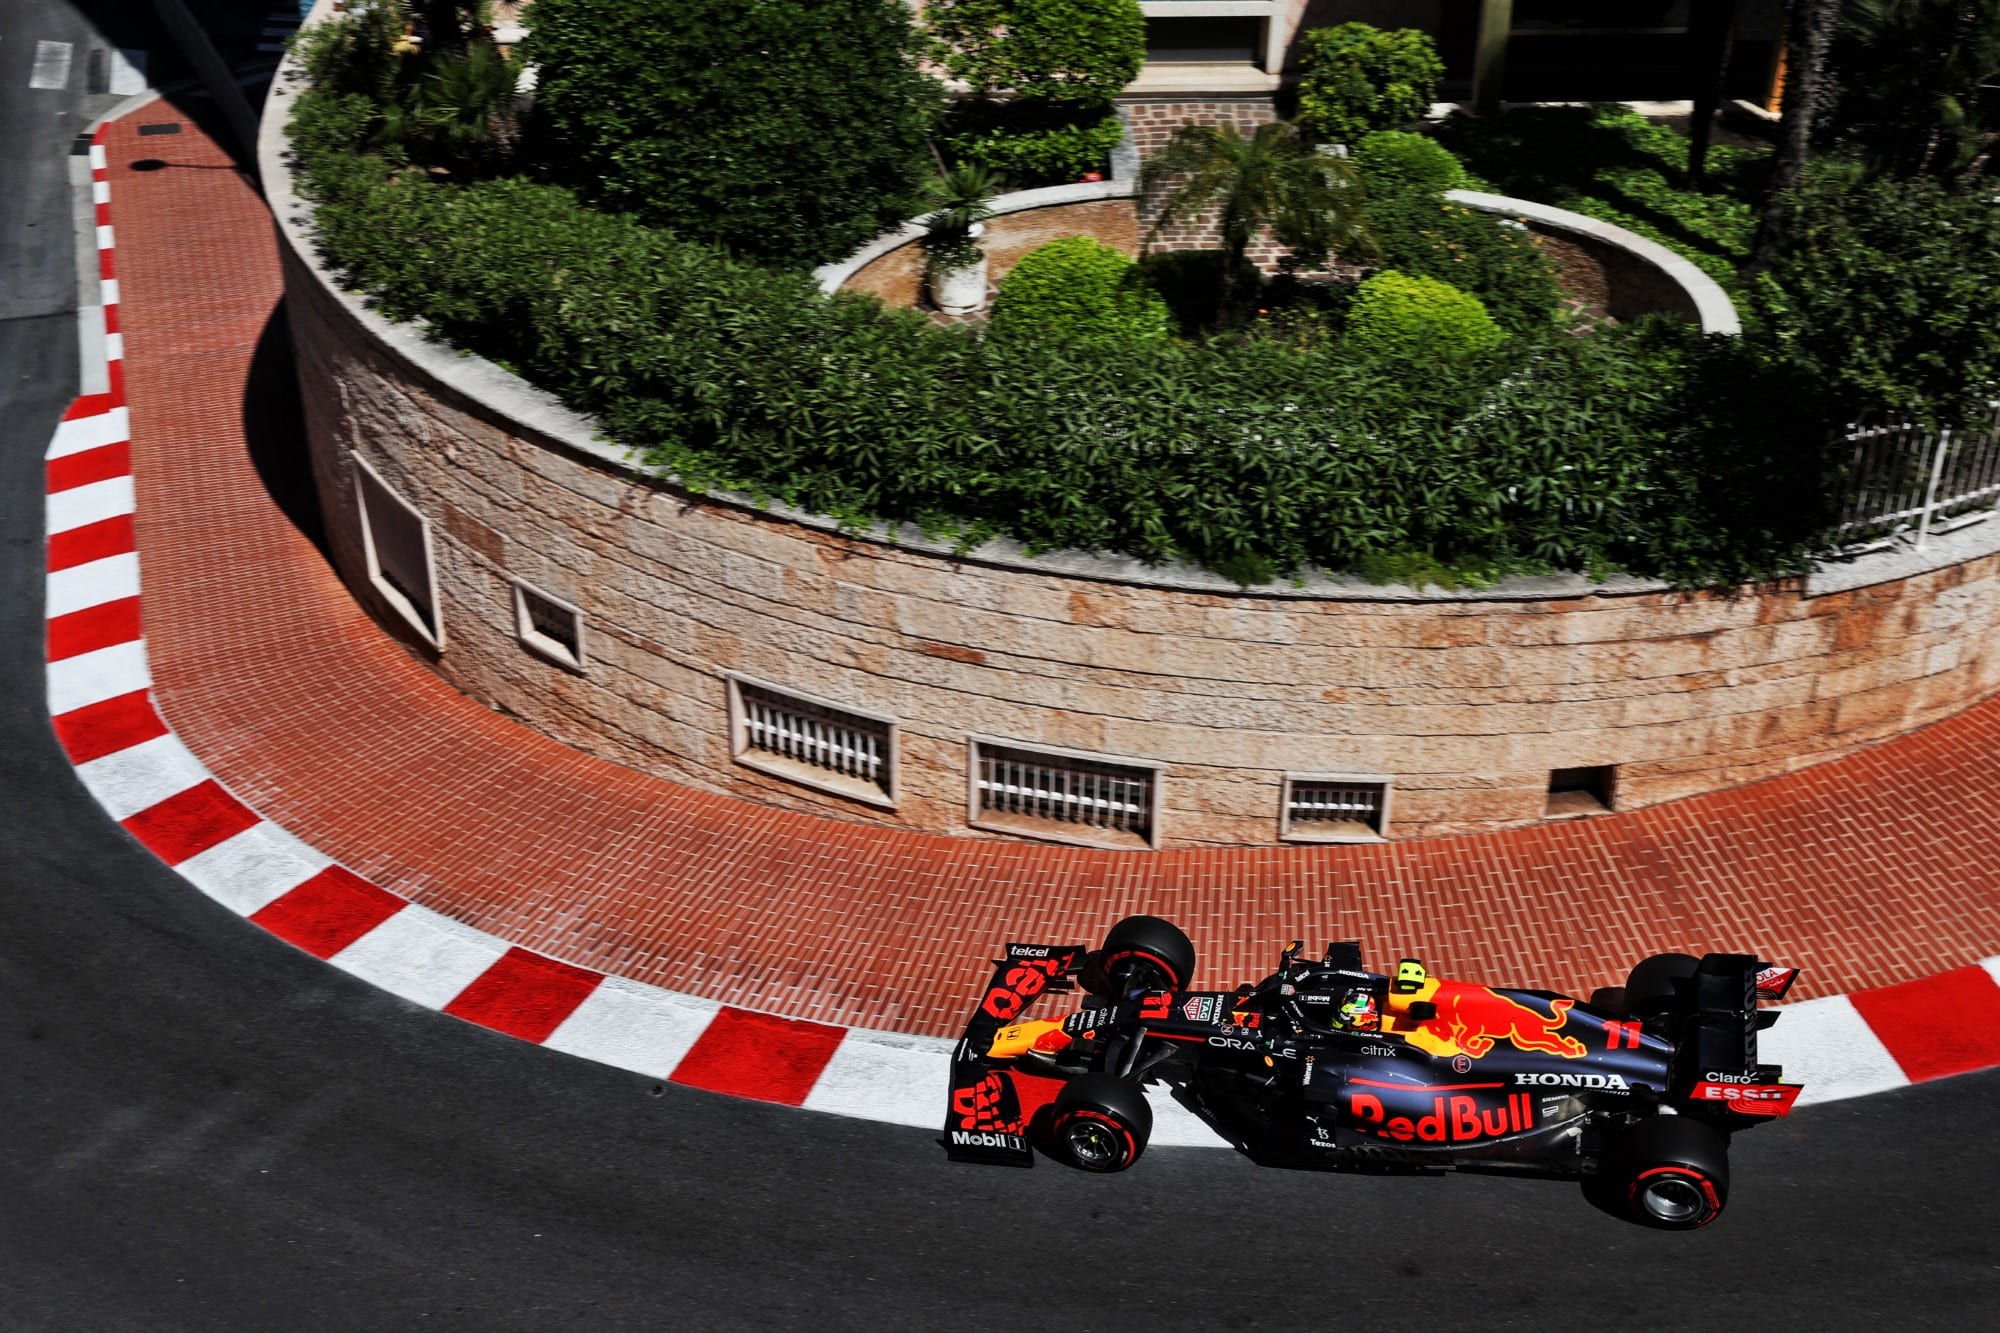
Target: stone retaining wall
1467,702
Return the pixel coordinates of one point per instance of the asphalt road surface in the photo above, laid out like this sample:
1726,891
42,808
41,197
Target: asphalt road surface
203,1129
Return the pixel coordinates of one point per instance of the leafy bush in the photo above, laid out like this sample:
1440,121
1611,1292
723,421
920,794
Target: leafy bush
1639,447
1398,162
787,130
1915,79
1425,236
1079,291
1612,163
1042,73
1032,145
1397,315
1354,78
1888,293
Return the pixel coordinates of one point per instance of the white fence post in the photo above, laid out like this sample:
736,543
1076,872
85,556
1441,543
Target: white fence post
1930,492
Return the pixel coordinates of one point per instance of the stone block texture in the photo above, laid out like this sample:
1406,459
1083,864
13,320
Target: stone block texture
1468,704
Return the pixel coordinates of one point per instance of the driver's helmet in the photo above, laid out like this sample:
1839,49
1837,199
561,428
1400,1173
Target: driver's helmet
1357,1010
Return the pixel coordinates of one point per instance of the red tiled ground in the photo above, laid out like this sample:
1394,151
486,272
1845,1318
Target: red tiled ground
1876,869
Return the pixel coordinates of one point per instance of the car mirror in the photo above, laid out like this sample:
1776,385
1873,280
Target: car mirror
1422,1011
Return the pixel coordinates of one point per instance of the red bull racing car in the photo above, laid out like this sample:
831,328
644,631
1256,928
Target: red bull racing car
1324,1065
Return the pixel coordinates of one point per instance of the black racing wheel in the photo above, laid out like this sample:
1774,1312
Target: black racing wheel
1670,1173
1100,1122
1655,984
1141,952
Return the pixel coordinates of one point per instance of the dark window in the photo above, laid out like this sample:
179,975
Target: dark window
1208,40
1580,791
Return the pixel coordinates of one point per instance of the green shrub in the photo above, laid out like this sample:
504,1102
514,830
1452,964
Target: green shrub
1398,162
1888,292
1078,290
787,130
1041,50
1429,237
1397,315
1625,449
1032,144
1354,78
1042,73
1612,163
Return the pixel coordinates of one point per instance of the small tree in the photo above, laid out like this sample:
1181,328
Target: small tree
1309,200
787,130
1808,38
1356,77
1042,75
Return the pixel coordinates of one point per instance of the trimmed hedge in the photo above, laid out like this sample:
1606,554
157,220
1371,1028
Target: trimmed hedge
1624,449
1413,318
1399,162
1078,290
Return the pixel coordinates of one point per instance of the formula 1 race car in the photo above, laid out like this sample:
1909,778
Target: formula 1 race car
1324,1065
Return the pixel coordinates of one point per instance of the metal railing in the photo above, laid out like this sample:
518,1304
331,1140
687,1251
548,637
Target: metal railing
1335,803
809,733
1063,790
1902,480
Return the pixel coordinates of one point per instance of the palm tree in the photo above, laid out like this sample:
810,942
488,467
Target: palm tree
1309,200
1808,42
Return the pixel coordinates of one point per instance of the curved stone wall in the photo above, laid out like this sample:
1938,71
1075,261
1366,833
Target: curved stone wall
1467,702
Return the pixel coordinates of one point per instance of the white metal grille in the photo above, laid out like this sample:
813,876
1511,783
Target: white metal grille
1320,804
809,733
1062,790
1901,479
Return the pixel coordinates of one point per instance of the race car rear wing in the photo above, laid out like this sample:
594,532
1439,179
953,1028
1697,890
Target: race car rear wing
984,1121
1715,1023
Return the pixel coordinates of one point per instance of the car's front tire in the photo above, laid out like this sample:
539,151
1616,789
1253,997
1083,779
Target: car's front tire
1140,952
1100,1123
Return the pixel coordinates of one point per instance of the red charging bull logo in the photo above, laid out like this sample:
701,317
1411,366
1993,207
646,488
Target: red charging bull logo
1470,1019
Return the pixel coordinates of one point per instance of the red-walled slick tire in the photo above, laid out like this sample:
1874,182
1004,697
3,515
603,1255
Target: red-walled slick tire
1670,1173
1140,952
1100,1123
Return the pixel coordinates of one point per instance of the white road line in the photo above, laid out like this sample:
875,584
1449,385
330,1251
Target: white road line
254,869
52,61
1174,1126
114,347
104,237
422,956
81,587
108,293
100,192
904,1080
97,157
629,1025
1992,966
81,506
91,678
95,375
141,776
93,432
1827,1045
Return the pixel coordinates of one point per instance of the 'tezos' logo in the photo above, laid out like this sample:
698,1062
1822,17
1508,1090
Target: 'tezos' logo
1606,1082
967,1139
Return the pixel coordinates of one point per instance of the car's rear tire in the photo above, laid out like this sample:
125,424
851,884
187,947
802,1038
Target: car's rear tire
1141,952
1653,986
1669,1172
1100,1123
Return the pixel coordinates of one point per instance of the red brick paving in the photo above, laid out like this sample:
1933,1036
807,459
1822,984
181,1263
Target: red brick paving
1874,869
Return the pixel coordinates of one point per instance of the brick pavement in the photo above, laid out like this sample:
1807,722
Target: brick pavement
1874,869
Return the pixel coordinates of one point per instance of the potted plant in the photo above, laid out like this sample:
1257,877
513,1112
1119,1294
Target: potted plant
955,266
